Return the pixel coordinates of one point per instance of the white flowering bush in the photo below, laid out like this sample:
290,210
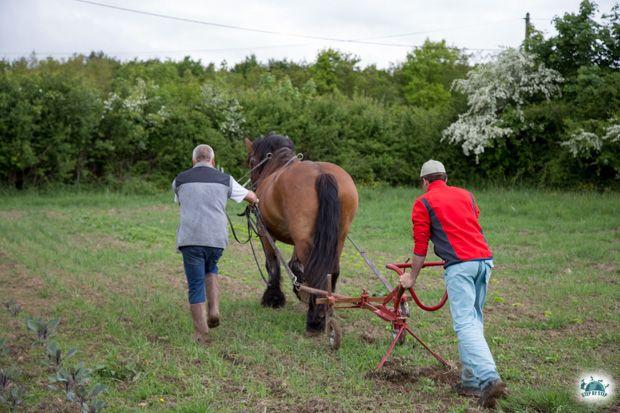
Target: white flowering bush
129,114
583,143
510,82
135,104
226,110
602,148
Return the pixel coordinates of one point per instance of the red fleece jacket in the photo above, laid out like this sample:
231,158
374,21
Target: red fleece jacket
448,216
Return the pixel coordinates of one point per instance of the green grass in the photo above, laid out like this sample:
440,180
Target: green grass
106,265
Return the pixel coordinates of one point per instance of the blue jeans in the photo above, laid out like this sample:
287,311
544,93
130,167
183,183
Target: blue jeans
467,284
199,262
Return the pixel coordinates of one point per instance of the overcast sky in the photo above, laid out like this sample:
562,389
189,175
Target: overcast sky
63,27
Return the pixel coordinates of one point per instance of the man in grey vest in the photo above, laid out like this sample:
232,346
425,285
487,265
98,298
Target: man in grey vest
202,192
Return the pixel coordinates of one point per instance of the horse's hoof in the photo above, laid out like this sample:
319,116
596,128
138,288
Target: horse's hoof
273,299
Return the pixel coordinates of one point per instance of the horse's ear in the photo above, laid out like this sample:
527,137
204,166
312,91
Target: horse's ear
248,145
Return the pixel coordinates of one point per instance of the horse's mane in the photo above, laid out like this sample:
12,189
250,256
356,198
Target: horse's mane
282,149
270,143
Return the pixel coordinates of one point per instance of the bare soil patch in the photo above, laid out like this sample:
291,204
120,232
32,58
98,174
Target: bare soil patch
11,215
56,214
399,371
98,242
20,285
317,405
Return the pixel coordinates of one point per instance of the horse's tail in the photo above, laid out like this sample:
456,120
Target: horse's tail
323,255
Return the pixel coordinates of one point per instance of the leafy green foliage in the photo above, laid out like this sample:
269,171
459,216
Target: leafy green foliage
7,375
55,354
551,134
43,329
75,381
334,71
580,40
3,347
12,397
48,123
428,73
13,307
542,400
501,87
119,370
93,120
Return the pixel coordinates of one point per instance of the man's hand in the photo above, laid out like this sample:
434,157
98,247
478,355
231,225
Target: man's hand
407,280
251,198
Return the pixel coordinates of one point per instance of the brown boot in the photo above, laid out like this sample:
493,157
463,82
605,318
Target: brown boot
199,316
466,391
213,297
491,393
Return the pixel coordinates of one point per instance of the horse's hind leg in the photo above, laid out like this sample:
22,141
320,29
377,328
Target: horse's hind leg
273,296
336,270
297,269
315,319
335,274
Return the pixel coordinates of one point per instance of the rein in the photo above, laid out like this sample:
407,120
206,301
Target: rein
299,156
267,157
257,226
252,226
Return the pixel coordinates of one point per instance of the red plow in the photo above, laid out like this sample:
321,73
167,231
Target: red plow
392,308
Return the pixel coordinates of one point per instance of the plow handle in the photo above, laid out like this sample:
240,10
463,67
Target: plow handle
399,269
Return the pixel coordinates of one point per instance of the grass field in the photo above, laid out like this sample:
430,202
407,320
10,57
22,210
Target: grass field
105,264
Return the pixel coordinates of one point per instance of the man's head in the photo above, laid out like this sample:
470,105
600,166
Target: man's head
432,171
203,153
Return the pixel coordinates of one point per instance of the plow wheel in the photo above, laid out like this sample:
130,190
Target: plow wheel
334,334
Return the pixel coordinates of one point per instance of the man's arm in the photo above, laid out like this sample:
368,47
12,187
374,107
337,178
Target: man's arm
174,189
421,235
407,280
238,193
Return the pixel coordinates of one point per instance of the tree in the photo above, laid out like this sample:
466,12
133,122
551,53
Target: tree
493,89
428,73
580,41
587,53
334,71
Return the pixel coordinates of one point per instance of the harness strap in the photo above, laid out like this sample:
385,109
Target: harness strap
265,233
249,240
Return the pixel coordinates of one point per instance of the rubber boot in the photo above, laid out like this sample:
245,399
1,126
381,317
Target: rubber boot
199,316
213,297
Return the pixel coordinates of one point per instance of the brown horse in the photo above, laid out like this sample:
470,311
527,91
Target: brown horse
309,205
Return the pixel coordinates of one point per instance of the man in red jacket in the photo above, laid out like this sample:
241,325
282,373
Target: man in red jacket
448,216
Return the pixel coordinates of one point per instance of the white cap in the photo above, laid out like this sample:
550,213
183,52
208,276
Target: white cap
432,167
